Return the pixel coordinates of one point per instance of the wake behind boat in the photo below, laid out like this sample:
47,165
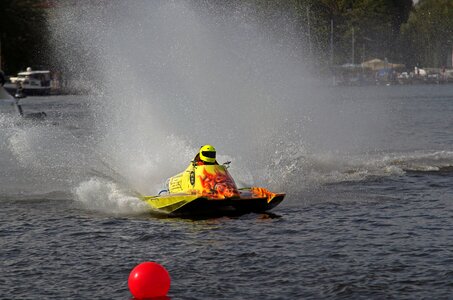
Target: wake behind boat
207,188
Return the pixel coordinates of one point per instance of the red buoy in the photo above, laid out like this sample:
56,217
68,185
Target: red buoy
148,280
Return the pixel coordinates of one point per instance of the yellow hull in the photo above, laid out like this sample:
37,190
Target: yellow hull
193,204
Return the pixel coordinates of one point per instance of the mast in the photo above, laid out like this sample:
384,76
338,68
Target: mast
353,46
331,53
309,30
452,56
331,42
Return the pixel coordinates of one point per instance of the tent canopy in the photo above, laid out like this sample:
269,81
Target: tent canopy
379,64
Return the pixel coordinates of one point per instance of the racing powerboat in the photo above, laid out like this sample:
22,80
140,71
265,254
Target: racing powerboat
210,190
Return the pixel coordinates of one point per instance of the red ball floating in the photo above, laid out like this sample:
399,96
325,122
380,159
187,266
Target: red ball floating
148,280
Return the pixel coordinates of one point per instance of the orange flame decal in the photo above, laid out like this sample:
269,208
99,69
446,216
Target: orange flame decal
263,193
218,185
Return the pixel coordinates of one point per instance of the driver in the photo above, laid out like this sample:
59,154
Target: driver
206,156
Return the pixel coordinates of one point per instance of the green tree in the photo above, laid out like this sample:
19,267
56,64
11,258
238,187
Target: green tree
23,33
373,24
428,34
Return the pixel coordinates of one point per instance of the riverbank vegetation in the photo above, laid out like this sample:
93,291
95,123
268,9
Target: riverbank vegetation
23,34
333,32
340,32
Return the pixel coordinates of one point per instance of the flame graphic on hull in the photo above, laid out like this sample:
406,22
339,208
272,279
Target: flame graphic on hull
218,185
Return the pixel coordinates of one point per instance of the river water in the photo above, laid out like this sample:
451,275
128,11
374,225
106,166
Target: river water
370,218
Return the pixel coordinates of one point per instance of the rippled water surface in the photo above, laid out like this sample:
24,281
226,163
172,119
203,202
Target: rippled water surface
370,224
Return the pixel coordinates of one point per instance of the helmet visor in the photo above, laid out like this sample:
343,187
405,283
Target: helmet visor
210,154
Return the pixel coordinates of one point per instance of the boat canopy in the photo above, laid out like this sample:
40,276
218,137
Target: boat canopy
29,73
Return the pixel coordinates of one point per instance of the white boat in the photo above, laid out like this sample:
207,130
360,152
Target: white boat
32,82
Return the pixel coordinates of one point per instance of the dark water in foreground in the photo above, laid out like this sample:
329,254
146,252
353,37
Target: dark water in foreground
388,235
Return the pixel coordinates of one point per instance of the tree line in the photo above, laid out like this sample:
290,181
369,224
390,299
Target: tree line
352,31
23,32
334,32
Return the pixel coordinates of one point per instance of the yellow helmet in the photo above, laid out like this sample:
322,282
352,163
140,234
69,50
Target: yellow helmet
207,153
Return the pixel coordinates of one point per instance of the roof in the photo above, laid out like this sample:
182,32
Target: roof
379,64
27,73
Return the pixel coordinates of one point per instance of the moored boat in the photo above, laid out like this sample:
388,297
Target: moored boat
32,82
